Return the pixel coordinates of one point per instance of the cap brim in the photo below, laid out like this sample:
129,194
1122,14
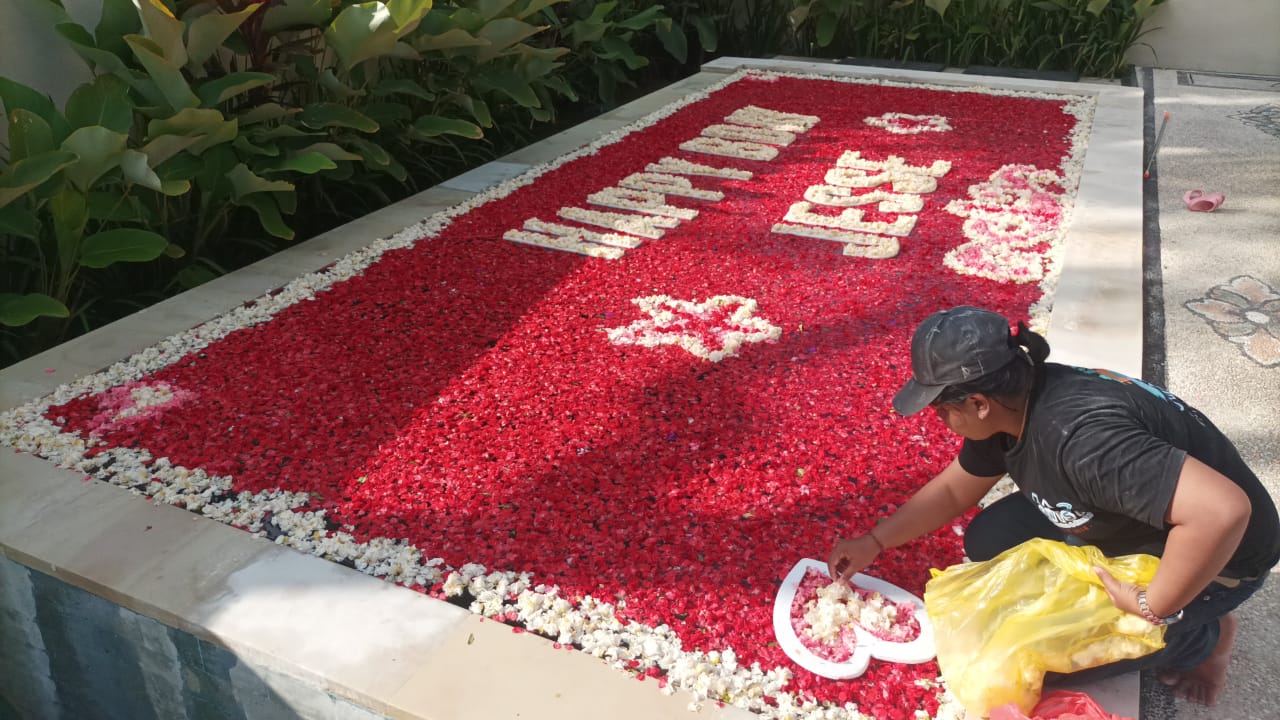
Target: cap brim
914,397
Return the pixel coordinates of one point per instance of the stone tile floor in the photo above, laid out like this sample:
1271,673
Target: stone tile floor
1219,141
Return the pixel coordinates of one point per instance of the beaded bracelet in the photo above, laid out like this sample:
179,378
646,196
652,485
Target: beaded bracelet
1151,617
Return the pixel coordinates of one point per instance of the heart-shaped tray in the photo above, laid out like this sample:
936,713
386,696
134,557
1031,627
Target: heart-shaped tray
869,646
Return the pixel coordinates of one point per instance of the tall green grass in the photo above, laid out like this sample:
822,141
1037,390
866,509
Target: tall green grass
1090,37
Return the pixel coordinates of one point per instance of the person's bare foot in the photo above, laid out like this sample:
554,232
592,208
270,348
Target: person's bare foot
1204,684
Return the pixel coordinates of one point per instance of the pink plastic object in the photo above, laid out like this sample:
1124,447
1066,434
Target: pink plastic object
1058,705
1197,201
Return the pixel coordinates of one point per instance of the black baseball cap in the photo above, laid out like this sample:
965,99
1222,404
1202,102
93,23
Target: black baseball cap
952,347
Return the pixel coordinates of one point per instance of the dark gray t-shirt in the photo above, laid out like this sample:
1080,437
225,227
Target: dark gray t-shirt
1100,456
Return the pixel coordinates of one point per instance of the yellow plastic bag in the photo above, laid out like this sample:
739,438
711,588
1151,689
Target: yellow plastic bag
1000,625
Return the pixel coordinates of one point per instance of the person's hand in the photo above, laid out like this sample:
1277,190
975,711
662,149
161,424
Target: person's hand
850,556
1123,595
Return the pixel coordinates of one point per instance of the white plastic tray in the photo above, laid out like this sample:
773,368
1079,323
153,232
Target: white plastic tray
869,646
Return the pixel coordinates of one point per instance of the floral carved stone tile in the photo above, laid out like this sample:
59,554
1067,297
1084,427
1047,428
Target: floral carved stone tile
1246,311
1264,117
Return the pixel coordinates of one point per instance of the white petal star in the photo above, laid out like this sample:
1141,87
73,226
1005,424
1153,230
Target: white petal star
723,321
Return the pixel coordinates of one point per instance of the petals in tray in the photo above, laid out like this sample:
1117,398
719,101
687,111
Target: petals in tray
917,651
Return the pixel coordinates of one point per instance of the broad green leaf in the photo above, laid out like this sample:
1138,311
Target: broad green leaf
212,172
83,43
174,188
207,33
799,15
268,214
370,29
105,102
323,115
643,19
164,147
165,73
15,95
174,251
478,109
14,220
708,36
1097,6
121,245
468,20
119,18
535,6
433,125
136,168
215,92
407,13
491,8
825,31
29,135
615,48
674,42
18,310
561,86
99,151
265,112
404,51
538,63
245,182
402,86
209,126
454,38
586,32
181,167
287,14
501,34
331,151
112,206
388,114
26,174
600,11
339,89
164,31
396,170
155,104
373,154
940,6
288,202
307,163
70,212
248,147
510,85
259,132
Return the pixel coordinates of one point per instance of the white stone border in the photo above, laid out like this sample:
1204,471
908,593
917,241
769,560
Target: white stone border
712,675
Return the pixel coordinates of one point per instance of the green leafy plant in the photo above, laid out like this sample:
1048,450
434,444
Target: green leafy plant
69,195
209,121
1090,37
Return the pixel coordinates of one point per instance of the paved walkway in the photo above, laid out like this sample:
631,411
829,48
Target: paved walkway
1223,136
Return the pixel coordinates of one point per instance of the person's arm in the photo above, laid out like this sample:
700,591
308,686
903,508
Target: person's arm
948,494
1208,513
